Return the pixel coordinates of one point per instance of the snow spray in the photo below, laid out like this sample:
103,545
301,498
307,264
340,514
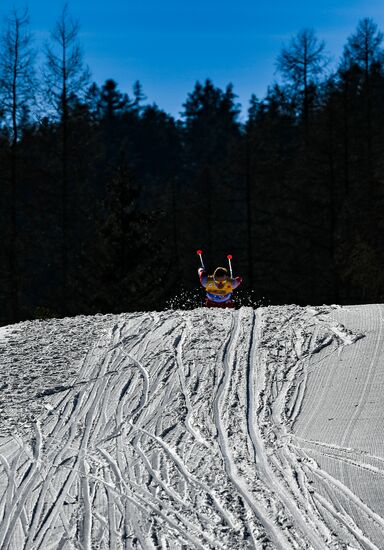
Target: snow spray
186,299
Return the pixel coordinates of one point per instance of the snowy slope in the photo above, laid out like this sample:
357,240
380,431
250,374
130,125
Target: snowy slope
194,429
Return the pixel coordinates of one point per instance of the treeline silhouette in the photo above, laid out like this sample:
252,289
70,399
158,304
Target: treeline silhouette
105,198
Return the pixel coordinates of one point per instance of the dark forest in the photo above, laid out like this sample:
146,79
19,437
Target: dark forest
105,198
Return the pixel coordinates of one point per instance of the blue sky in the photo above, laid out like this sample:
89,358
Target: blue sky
169,44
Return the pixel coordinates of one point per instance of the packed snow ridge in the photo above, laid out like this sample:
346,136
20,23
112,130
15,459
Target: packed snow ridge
193,429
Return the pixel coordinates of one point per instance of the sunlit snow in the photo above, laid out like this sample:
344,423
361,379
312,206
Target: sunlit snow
254,428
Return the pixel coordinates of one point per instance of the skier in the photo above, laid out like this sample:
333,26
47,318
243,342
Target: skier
219,286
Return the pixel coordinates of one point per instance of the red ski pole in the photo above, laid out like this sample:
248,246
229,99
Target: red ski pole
200,253
230,264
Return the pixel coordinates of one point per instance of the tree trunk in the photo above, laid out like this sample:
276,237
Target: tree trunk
64,205
248,198
333,206
13,241
13,245
208,184
64,186
174,223
346,138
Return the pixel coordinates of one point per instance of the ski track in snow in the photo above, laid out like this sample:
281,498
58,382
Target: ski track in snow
201,429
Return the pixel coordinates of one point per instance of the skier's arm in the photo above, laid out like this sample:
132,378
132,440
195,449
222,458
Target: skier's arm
202,276
236,281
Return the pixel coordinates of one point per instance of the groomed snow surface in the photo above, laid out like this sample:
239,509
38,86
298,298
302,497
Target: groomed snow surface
199,429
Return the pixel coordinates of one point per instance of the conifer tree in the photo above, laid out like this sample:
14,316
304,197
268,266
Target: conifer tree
139,95
363,51
112,102
301,64
363,48
66,77
17,90
211,129
122,266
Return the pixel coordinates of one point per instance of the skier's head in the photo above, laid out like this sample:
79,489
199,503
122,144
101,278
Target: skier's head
220,274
